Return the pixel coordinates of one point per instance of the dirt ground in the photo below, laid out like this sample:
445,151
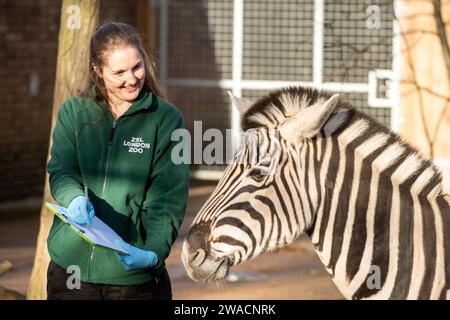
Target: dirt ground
294,272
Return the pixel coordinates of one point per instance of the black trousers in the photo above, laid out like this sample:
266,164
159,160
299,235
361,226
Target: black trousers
158,289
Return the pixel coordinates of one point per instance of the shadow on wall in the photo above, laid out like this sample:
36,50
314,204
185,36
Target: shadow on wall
196,30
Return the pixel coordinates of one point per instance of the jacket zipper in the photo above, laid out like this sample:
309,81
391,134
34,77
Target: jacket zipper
110,140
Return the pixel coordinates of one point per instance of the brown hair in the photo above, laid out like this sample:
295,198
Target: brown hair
113,35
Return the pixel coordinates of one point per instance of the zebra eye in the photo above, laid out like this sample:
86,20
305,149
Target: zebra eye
257,174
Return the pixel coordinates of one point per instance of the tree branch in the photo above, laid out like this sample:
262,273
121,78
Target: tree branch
442,35
426,89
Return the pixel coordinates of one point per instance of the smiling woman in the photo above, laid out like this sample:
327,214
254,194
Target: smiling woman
119,67
115,140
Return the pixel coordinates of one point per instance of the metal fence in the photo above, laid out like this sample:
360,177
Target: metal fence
254,46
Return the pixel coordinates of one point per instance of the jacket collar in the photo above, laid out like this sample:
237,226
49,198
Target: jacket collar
143,102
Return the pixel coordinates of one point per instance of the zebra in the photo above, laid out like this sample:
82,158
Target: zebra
367,200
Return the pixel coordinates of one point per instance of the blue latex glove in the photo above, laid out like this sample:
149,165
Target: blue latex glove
81,210
137,259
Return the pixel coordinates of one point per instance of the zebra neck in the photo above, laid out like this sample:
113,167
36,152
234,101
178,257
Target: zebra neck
381,229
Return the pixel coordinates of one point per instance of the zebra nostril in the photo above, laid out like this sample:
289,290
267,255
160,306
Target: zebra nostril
198,257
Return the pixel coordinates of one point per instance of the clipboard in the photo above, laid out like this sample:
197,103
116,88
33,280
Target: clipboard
97,233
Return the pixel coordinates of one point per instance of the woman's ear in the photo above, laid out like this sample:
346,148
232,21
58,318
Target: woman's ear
97,70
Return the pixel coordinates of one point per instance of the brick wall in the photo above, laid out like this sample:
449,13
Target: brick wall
28,42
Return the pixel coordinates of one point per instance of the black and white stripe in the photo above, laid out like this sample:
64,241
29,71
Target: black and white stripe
365,197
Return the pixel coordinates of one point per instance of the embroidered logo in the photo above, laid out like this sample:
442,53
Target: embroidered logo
136,145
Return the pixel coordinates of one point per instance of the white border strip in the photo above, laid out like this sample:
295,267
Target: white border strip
396,118
219,83
238,34
318,42
267,85
373,100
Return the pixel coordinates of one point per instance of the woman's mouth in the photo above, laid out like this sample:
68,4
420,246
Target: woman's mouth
130,89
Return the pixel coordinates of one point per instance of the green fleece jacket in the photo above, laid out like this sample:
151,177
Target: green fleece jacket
133,184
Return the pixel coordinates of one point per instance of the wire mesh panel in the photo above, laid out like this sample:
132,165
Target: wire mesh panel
278,40
353,45
357,39
200,39
204,109
255,95
318,42
199,42
209,105
359,100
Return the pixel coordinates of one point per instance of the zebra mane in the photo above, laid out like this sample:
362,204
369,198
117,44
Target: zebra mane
273,109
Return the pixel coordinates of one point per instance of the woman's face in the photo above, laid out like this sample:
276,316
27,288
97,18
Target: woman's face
123,74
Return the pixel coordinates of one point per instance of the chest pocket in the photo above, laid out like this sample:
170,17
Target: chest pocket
131,157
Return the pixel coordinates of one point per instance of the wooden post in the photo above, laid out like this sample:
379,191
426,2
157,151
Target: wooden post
78,21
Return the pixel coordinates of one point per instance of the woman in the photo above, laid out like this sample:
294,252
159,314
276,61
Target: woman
115,141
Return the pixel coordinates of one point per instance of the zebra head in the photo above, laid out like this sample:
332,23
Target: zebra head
260,203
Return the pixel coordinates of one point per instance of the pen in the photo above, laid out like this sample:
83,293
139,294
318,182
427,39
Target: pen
86,196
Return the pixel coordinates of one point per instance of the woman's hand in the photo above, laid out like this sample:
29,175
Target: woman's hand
137,259
81,210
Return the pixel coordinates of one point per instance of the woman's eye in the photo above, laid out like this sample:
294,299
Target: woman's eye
257,175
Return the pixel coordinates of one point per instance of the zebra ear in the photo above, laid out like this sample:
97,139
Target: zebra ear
308,122
313,118
240,103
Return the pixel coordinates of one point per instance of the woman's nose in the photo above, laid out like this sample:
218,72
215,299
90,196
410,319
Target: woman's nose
131,78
